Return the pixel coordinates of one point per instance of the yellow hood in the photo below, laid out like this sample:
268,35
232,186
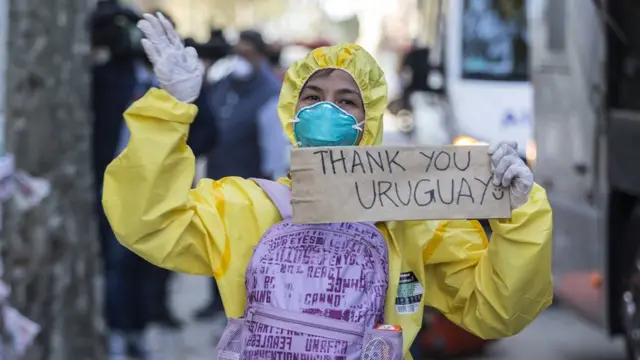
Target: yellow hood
348,57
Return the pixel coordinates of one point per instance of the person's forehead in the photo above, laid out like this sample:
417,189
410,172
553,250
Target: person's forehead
337,79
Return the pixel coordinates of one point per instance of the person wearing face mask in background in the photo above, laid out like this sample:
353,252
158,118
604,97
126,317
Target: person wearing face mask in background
250,142
274,54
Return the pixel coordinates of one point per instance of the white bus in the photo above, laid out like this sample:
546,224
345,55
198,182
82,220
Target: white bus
487,72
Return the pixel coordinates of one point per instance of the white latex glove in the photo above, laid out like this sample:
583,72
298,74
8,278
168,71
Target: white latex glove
509,170
177,68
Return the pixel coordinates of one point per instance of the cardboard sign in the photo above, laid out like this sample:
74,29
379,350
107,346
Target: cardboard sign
383,183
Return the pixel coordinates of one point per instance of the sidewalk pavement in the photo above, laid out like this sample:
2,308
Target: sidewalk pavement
196,340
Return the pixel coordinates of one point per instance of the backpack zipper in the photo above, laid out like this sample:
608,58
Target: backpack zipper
253,311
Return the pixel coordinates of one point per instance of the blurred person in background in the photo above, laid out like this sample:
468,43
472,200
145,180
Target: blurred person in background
250,139
415,71
274,52
220,59
113,83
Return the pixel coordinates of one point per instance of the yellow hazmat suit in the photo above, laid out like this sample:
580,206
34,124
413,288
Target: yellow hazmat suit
493,289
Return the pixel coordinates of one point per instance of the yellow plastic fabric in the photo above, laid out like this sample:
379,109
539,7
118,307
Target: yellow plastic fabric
491,290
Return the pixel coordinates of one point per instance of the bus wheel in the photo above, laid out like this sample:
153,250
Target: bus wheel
631,311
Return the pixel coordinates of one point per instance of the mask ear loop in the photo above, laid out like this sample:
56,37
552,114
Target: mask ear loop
358,126
293,121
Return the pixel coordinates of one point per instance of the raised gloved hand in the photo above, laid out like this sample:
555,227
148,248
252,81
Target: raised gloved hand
509,170
177,68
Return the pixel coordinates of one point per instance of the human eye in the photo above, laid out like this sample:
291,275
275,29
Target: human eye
311,98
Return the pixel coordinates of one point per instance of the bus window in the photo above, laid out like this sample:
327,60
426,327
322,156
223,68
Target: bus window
495,43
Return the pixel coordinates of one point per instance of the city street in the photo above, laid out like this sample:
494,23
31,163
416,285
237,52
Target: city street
556,335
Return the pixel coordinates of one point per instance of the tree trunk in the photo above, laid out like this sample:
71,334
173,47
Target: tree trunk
51,252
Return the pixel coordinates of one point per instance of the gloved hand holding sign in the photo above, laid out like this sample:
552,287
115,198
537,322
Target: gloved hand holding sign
510,171
177,68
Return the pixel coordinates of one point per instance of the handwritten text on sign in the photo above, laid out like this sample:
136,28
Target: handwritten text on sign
378,183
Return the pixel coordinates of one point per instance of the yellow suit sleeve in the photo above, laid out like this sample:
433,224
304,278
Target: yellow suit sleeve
152,209
493,289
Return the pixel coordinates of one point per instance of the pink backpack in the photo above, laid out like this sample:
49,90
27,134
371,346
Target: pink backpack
313,292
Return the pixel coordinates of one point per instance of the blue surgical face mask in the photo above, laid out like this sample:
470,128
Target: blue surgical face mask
325,124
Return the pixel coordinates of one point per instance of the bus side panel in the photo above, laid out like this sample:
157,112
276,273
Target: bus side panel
624,127
490,105
568,78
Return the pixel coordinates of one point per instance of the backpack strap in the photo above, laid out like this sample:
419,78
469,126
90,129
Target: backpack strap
280,195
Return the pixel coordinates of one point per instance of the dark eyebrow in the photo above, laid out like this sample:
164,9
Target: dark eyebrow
347,91
312,87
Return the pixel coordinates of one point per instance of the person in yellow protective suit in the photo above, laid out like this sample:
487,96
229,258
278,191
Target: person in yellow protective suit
493,289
